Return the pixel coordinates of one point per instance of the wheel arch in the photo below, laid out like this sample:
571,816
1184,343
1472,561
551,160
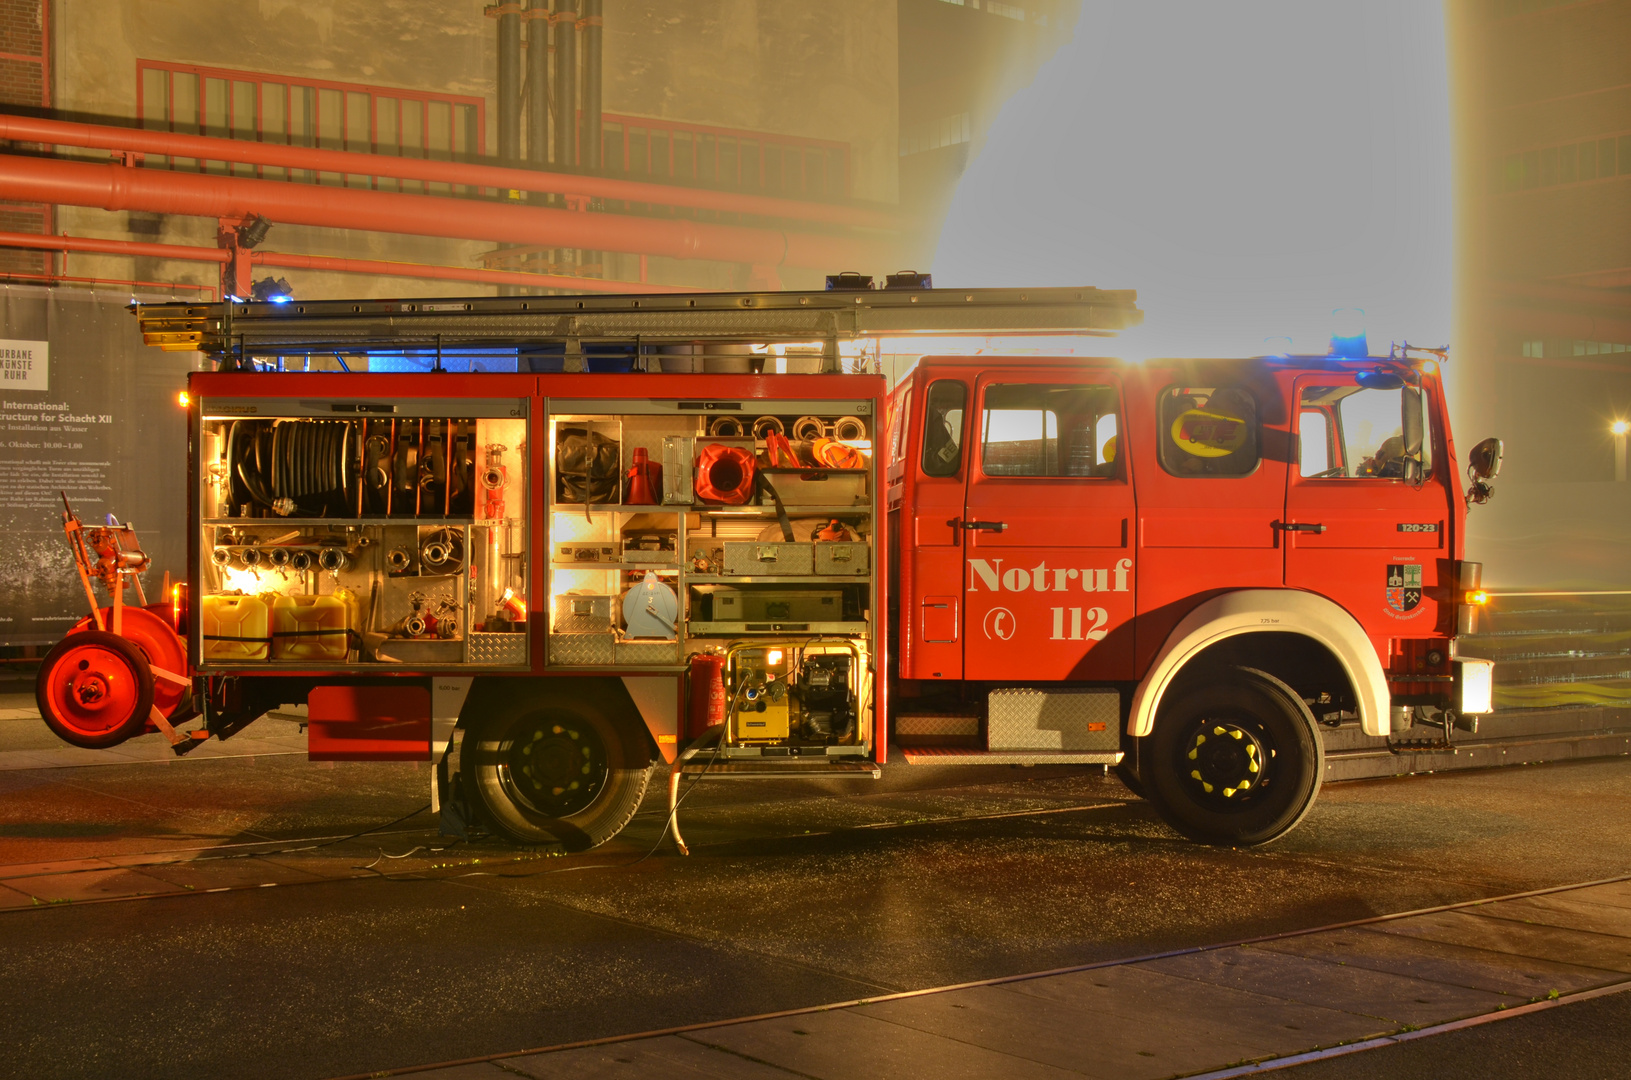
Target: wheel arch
1222,624
606,695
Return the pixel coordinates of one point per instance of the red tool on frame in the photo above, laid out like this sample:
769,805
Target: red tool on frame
122,670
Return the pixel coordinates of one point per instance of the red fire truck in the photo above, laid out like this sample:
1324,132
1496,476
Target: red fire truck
551,543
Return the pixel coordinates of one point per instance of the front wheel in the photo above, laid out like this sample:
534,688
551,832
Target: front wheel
1235,759
553,775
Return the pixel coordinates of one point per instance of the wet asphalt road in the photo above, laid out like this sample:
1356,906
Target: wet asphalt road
794,895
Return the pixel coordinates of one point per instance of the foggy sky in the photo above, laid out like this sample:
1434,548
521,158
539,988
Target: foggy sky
1248,166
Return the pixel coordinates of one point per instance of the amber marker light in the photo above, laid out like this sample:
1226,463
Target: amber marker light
1478,597
184,399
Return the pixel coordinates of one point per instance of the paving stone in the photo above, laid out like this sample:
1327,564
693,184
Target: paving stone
1563,911
480,1070
1615,894
11,898
1081,1037
1397,998
91,885
228,874
669,1056
1578,947
1434,961
1174,1012
844,1044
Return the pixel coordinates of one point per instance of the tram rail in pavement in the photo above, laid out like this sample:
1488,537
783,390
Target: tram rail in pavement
1211,1012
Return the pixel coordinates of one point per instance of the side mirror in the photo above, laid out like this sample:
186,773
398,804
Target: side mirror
1482,464
1484,461
1411,428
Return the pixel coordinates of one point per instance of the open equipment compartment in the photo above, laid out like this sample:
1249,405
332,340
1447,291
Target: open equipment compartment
338,535
698,548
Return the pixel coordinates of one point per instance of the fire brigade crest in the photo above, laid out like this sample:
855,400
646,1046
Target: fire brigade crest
1403,586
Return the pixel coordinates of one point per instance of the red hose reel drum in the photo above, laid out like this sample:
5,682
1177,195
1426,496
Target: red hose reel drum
725,474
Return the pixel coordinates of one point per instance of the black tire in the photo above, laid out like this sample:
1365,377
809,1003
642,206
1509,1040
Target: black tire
1132,752
1235,759
94,689
553,774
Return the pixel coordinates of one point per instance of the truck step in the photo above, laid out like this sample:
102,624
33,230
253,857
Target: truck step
952,755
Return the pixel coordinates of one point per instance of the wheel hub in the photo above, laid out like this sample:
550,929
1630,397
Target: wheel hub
1225,760
90,690
557,767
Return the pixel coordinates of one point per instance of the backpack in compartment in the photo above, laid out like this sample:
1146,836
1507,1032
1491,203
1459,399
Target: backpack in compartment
587,468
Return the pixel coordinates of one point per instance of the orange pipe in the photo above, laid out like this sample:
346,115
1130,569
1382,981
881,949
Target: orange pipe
207,148
324,262
118,187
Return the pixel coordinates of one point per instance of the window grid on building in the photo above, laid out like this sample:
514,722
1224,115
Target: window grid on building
1600,348
1571,163
317,113
946,131
695,155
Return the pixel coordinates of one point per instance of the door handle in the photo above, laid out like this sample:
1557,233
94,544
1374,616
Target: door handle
990,526
1299,526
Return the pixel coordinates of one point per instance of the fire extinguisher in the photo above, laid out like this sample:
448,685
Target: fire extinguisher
707,704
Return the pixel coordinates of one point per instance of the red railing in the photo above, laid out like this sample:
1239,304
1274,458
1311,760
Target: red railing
293,111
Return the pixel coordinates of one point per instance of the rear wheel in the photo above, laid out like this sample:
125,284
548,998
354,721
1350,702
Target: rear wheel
553,775
94,689
1235,758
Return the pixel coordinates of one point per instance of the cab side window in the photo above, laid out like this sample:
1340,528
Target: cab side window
1031,429
1352,432
943,410
1208,431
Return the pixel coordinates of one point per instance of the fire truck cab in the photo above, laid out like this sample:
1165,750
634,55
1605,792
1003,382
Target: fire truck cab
554,543
1192,563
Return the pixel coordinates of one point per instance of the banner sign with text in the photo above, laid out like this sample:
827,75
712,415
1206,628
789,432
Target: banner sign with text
85,409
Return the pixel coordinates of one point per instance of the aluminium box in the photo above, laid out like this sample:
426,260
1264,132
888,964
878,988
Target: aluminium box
586,552
816,487
771,559
1020,718
678,459
576,614
837,557
576,649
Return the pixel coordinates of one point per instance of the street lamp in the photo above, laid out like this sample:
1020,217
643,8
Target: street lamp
1619,428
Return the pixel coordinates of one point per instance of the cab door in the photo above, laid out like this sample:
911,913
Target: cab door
1047,516
1367,515
930,537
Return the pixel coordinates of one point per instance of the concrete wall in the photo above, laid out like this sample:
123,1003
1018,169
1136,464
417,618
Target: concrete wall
815,70
790,67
